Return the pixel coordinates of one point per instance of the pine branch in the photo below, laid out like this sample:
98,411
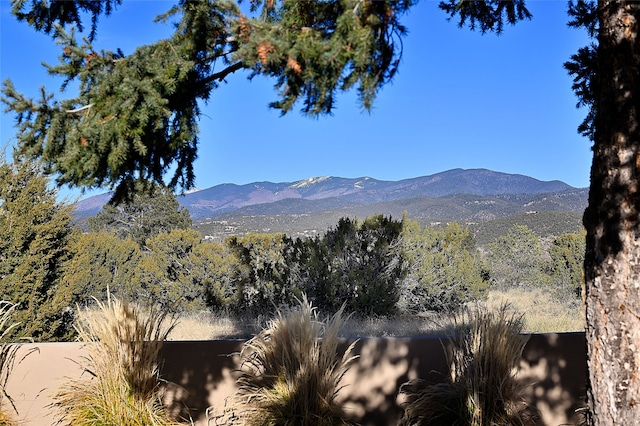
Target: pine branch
221,75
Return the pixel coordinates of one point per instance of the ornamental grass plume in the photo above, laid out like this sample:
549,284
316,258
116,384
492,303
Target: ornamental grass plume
482,388
123,343
8,353
291,371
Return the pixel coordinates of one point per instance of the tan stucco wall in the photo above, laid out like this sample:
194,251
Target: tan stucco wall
553,366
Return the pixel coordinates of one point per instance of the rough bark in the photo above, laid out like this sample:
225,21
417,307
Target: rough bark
612,220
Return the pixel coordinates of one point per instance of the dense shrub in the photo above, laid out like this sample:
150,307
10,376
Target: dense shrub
358,264
445,270
35,230
262,278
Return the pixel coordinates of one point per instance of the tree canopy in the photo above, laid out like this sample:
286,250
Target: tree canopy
135,117
147,213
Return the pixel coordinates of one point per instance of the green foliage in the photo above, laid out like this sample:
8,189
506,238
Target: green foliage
583,65
176,270
213,271
489,15
518,259
445,269
44,15
35,231
542,224
291,371
262,275
521,259
101,263
315,49
135,116
149,212
567,263
376,267
166,274
358,264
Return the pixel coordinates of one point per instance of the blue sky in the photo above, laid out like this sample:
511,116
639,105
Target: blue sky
460,99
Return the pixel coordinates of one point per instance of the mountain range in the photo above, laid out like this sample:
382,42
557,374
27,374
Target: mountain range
311,205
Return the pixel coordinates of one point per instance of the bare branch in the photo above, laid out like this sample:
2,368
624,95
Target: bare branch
73,111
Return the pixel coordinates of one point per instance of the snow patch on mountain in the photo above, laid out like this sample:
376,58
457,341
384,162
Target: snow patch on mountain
309,182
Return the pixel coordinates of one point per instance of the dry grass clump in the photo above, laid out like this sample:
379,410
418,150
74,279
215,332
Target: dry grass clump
8,352
482,388
291,372
123,342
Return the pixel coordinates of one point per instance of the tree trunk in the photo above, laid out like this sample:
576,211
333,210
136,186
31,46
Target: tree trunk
612,220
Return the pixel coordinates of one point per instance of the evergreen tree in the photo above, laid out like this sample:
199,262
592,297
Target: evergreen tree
35,231
148,212
567,264
167,271
176,270
518,259
262,273
444,268
135,116
214,272
606,82
102,262
358,264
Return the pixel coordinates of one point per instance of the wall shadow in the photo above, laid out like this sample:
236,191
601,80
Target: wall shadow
555,368
371,395
199,375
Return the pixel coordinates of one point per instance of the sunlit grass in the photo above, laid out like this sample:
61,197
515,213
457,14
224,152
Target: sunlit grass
542,313
541,310
123,343
291,371
210,326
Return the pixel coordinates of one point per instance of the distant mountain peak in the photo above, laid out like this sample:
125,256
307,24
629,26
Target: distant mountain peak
309,182
330,192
